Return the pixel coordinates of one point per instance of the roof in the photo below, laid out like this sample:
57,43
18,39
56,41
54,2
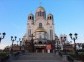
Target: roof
31,14
40,30
50,14
40,9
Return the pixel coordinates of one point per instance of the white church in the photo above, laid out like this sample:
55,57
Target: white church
41,26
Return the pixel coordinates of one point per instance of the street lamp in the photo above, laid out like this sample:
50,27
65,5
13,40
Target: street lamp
32,42
57,44
26,42
13,39
2,37
74,38
20,43
63,39
17,43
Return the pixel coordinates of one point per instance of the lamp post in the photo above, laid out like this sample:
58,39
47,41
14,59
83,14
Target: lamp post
17,43
13,39
57,45
20,43
74,38
32,42
63,39
26,45
2,37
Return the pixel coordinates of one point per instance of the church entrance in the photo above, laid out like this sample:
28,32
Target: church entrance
40,48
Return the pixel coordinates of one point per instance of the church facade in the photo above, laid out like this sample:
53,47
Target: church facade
40,28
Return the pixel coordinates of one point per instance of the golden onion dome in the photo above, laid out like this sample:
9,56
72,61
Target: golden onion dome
40,30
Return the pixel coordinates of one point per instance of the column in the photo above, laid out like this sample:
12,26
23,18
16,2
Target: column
48,50
42,50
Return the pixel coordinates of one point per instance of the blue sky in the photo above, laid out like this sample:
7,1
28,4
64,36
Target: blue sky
68,17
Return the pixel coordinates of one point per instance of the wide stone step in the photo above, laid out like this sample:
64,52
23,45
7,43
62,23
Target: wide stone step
37,61
39,56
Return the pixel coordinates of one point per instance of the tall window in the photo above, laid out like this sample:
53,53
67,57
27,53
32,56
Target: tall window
40,13
40,25
51,34
29,31
30,17
50,17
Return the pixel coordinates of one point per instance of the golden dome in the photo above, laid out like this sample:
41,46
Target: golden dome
40,30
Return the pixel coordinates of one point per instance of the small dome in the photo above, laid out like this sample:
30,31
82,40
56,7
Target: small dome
40,9
50,15
31,14
40,30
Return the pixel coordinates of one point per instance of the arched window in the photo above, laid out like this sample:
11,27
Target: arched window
40,13
30,17
40,25
50,17
40,42
43,13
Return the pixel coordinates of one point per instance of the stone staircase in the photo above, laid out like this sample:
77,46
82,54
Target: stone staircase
39,57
